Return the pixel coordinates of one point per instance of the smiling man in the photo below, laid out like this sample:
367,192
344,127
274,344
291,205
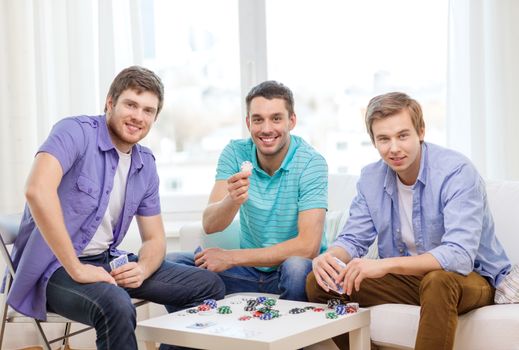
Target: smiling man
89,179
427,205
281,202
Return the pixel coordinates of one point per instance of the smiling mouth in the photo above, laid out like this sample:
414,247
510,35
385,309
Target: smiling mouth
267,139
132,128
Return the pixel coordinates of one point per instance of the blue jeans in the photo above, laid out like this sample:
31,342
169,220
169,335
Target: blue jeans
109,308
288,280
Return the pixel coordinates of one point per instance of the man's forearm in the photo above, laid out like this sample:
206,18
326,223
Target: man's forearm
151,255
217,216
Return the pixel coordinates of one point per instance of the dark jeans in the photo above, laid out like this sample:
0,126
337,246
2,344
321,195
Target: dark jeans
288,279
109,308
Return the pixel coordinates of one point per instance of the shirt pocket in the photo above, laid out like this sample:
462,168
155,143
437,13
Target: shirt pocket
86,196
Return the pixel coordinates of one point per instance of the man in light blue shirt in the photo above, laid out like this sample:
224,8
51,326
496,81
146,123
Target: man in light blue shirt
282,202
427,206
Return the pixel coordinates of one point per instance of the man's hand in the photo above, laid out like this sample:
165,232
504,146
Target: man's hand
325,269
238,187
359,269
214,259
130,275
86,273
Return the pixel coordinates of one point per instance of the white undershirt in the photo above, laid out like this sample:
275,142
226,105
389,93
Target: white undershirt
405,203
104,235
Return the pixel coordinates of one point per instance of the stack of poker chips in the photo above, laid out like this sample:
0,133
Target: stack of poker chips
261,307
224,310
332,303
351,308
331,315
207,307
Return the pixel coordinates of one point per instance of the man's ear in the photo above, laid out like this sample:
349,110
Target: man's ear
247,121
292,121
109,104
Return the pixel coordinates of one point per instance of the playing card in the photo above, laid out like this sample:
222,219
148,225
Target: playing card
198,250
119,261
200,325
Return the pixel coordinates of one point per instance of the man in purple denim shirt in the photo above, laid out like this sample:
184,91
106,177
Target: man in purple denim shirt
88,180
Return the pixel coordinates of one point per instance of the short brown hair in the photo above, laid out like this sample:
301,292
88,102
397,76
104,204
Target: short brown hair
139,79
386,105
271,89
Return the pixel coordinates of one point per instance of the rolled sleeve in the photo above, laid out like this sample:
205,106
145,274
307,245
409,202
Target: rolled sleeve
464,198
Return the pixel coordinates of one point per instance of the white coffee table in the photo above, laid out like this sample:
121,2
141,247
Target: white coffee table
290,331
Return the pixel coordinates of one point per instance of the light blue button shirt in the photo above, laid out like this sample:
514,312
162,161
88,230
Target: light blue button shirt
451,218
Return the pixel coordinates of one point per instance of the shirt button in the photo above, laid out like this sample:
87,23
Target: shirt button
97,218
401,250
113,167
84,241
107,191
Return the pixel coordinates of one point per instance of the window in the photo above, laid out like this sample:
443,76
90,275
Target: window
193,47
335,55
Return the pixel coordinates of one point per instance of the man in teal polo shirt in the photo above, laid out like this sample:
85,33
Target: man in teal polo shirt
282,202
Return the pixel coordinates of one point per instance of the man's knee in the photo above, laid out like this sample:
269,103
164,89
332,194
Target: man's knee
183,258
439,285
296,267
214,283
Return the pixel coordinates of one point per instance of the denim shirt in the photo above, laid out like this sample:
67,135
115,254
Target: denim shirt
451,218
88,158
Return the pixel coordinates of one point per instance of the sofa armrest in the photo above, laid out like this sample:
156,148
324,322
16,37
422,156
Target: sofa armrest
190,236
193,235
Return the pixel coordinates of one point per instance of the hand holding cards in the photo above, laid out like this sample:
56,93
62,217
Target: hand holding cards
337,288
119,261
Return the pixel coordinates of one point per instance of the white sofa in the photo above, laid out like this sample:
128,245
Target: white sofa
394,326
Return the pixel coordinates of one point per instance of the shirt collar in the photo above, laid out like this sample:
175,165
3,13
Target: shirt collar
287,161
106,144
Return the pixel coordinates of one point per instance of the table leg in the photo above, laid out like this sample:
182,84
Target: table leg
359,339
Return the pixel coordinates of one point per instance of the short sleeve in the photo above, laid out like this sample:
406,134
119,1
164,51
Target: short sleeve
66,142
313,191
227,163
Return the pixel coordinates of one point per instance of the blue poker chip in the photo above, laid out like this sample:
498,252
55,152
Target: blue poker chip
340,309
211,303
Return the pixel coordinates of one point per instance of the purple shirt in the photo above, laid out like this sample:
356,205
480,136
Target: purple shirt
89,160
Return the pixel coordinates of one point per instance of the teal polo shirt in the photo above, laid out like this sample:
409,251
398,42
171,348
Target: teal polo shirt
270,214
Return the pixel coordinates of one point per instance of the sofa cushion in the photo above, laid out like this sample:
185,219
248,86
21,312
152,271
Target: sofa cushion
490,327
507,292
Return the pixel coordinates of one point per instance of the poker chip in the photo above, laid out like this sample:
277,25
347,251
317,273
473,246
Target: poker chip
192,311
246,166
340,309
309,307
204,307
296,310
352,308
224,310
318,309
210,302
269,302
331,315
251,305
332,303
244,318
261,300
266,316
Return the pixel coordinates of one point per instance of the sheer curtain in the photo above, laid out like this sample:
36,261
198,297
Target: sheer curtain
57,59
483,84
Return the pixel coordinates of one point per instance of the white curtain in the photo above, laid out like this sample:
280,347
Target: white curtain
483,84
57,59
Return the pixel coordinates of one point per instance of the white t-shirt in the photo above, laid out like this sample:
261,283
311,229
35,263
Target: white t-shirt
104,235
405,204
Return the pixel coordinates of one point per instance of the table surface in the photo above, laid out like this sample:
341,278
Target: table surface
226,331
